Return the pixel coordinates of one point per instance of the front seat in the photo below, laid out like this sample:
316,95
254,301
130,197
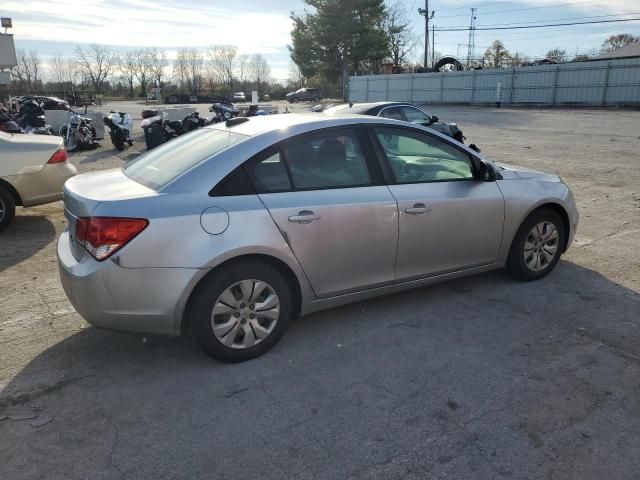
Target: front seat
332,159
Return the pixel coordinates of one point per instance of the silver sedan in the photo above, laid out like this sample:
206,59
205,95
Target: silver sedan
233,230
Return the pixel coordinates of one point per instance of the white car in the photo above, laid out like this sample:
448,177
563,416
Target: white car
33,169
239,97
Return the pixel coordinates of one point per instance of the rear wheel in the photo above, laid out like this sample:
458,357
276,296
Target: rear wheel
7,208
537,246
241,311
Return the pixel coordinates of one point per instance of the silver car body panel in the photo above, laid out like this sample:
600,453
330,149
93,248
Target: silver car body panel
146,285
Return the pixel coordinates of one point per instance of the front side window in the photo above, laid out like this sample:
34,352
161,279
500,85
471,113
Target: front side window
414,115
415,157
331,159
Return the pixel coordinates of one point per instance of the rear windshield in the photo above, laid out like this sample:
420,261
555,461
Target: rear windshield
344,108
158,167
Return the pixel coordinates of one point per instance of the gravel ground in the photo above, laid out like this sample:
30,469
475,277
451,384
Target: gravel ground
477,378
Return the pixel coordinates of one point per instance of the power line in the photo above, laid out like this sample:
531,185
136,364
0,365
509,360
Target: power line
538,26
497,12
548,20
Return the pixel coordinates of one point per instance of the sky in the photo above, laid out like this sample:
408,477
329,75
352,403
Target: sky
263,26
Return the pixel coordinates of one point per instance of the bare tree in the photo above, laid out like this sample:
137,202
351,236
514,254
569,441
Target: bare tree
127,67
222,60
158,64
260,70
188,68
557,55
142,67
26,73
296,79
497,55
402,41
57,68
618,41
242,68
97,62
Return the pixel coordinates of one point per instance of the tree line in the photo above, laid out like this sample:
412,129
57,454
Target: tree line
217,69
497,56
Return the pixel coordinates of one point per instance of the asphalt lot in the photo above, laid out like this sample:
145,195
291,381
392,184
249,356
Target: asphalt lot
477,378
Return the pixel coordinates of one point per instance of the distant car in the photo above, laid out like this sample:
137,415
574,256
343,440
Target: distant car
33,169
230,231
239,97
47,103
304,95
399,111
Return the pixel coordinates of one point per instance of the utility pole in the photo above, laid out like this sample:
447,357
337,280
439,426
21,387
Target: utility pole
472,37
425,11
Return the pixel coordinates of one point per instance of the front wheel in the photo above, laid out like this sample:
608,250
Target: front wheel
7,208
70,143
537,246
241,311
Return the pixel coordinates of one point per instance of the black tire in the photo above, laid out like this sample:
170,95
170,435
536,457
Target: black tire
516,264
7,208
316,99
207,293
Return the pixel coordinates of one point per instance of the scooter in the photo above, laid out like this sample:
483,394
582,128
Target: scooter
193,121
120,129
7,124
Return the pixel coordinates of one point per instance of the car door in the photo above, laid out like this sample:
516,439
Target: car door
449,220
327,196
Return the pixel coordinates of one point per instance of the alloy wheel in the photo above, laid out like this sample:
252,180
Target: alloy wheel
245,314
541,246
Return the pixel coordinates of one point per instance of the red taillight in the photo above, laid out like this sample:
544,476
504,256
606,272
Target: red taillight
103,236
59,157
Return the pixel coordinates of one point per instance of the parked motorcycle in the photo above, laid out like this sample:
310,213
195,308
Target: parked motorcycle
193,121
120,129
6,122
223,112
157,129
31,119
78,132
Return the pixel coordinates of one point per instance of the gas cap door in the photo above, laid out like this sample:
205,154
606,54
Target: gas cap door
214,220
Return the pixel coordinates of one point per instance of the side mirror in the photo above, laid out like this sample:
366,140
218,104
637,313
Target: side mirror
485,172
435,119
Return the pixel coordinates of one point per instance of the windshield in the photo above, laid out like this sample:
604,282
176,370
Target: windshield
158,167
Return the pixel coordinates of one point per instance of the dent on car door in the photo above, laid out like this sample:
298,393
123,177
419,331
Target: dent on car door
340,224
448,220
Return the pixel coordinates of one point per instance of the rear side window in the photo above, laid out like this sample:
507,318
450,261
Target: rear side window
269,175
158,167
331,159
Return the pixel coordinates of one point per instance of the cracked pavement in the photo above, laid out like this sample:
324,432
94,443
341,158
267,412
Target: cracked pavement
478,378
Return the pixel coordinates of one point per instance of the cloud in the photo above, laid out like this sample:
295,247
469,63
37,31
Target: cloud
148,23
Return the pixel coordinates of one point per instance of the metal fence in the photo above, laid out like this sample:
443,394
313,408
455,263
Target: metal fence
608,82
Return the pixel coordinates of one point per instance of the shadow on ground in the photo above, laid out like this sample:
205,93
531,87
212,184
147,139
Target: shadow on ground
27,235
477,378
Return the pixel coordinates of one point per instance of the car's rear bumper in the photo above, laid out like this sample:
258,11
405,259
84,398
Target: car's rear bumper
144,300
43,186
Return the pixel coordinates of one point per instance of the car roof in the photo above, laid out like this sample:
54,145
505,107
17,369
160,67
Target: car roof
293,123
366,106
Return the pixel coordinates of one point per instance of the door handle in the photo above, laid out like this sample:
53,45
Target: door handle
417,209
305,216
